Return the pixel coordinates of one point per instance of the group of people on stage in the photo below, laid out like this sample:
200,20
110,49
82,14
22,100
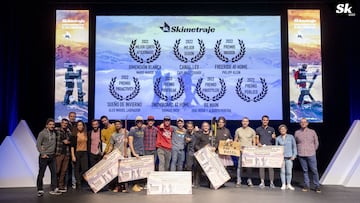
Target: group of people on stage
70,149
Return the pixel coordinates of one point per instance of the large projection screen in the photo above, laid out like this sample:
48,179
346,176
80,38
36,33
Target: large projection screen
196,67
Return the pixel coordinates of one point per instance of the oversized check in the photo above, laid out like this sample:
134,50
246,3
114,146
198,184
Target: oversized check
263,157
135,168
212,166
169,182
104,171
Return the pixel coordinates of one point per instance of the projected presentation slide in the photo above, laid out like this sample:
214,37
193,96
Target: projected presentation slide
71,64
305,70
196,67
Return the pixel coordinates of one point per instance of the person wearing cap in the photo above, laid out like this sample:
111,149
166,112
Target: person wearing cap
136,144
178,146
150,138
163,143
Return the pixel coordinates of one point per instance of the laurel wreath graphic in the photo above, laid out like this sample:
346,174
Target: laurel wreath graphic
237,57
174,97
119,97
258,97
141,60
194,59
218,52
263,91
214,98
156,54
241,53
201,53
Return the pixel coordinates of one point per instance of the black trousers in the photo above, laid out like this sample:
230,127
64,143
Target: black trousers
43,163
81,165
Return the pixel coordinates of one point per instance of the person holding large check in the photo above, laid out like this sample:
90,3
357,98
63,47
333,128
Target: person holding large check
136,144
202,139
246,136
118,140
266,135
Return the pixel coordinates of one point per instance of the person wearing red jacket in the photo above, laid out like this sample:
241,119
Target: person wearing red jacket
163,143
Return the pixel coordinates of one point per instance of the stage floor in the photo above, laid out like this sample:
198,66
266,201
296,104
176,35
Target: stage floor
202,194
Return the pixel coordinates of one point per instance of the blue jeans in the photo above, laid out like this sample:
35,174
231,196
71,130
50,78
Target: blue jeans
309,162
286,171
177,159
239,169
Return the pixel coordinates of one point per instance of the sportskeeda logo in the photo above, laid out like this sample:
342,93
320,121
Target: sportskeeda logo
167,28
346,9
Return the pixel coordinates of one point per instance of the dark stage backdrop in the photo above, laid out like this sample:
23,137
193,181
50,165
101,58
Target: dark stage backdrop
27,61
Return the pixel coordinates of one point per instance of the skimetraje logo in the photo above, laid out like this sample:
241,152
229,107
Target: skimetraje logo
167,28
345,9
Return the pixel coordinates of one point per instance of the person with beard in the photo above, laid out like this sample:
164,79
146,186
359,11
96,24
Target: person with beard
106,132
150,138
46,144
178,146
223,133
71,172
247,138
62,153
94,143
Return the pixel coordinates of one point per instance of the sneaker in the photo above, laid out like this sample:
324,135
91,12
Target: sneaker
62,190
272,186
283,187
135,188
73,186
317,189
140,187
40,193
249,182
305,189
237,185
262,185
290,187
116,189
55,192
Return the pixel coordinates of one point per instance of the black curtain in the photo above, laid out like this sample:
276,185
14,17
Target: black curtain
9,59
